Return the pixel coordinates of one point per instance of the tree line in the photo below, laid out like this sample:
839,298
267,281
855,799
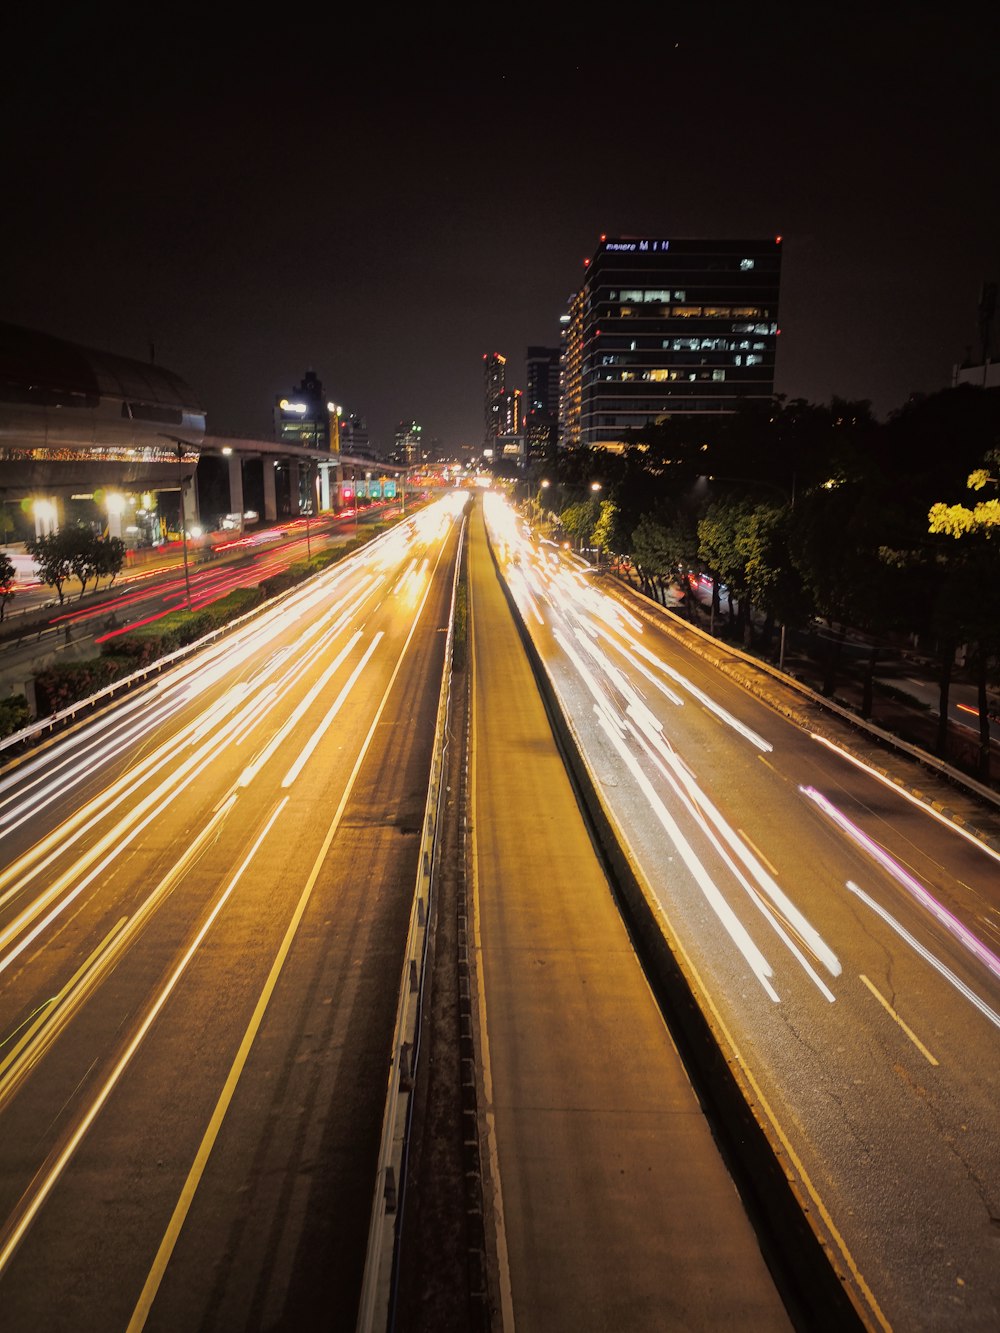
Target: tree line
76,552
813,514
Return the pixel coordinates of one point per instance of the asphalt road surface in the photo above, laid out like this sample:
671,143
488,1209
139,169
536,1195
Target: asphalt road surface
840,919
204,902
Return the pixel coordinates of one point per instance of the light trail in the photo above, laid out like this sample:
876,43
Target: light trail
31,1204
926,954
902,877
331,713
908,796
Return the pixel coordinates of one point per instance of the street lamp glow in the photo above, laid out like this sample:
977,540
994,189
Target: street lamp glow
116,503
595,485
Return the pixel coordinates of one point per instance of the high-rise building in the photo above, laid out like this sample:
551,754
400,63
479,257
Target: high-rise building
408,446
661,327
494,394
541,409
303,416
354,436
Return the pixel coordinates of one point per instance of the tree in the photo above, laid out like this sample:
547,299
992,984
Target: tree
579,520
606,535
51,554
110,558
82,551
975,583
665,548
959,520
7,577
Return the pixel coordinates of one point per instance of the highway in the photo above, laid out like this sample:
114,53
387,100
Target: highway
204,902
607,1197
841,929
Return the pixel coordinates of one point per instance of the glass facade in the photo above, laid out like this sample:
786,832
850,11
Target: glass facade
662,327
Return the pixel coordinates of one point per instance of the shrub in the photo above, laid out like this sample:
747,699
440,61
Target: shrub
14,714
66,683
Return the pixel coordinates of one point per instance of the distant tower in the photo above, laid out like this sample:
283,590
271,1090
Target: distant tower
303,416
494,393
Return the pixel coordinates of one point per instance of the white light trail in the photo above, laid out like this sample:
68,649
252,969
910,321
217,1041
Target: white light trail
908,796
254,767
902,877
926,954
332,712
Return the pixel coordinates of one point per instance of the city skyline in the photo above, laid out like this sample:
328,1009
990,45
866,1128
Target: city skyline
388,229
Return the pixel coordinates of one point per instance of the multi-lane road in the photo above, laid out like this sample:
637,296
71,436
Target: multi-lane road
204,902
204,899
844,934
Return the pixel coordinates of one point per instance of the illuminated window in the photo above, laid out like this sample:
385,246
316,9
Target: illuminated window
746,312
658,376
746,264
680,296
718,374
687,311
717,312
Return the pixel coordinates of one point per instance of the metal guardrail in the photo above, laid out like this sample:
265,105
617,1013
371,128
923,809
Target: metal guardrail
384,1231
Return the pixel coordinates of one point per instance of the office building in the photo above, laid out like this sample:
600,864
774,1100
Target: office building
662,327
303,416
541,409
354,438
494,395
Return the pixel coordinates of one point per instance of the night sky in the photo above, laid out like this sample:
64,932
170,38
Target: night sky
383,201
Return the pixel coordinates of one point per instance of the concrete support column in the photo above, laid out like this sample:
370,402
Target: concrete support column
189,503
46,513
116,507
324,488
294,501
236,505
270,498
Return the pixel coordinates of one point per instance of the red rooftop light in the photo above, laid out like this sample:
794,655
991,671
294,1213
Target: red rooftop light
777,240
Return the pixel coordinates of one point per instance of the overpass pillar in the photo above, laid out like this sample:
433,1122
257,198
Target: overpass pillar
324,487
189,503
294,497
46,515
270,498
236,505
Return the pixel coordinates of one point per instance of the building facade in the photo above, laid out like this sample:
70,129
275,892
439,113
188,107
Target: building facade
303,417
541,408
494,396
662,327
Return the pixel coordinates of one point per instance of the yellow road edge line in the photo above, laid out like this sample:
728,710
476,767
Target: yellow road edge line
892,1014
